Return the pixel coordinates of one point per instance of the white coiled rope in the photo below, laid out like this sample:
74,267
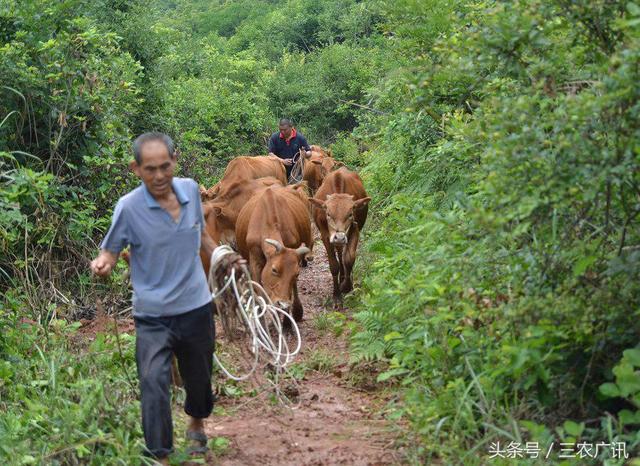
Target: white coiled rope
298,168
259,318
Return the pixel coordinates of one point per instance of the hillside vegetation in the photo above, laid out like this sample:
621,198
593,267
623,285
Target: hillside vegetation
499,278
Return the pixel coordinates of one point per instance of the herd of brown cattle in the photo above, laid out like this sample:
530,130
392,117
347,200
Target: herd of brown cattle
269,222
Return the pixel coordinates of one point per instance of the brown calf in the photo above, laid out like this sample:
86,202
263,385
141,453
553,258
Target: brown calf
316,167
340,211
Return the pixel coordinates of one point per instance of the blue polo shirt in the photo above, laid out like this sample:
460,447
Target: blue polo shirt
166,272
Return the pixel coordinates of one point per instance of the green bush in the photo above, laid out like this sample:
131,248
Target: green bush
501,283
61,403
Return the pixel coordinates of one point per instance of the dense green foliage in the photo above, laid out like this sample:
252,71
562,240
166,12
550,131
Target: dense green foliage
61,406
499,141
503,284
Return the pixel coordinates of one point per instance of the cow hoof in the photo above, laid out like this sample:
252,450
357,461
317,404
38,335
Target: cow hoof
286,325
346,287
296,313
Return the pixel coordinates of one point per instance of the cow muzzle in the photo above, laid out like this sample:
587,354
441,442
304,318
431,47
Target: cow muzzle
339,237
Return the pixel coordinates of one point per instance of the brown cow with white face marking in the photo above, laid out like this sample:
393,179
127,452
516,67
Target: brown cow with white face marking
273,232
340,211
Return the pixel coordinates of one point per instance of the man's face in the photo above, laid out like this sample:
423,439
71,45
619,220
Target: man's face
156,168
285,130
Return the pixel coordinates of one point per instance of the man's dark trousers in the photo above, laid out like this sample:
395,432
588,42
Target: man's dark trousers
190,336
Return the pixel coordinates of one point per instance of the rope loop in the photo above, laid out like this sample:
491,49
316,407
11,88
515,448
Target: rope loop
253,315
298,168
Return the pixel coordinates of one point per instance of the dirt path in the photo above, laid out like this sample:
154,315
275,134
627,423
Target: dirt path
338,420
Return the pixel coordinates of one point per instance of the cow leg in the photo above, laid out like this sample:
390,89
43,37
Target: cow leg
340,253
256,264
309,242
334,266
349,258
296,308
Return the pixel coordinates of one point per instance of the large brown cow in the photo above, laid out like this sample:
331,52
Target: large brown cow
246,167
250,168
221,214
316,167
340,211
273,232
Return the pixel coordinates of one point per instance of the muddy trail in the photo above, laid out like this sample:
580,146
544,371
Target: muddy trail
338,418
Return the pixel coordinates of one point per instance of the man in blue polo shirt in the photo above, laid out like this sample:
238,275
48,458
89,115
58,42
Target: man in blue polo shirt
162,222
287,143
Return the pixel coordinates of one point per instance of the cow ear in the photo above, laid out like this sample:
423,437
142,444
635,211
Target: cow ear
301,186
360,203
316,162
318,203
338,164
218,211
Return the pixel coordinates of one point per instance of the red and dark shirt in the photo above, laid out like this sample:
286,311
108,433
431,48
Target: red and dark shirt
287,148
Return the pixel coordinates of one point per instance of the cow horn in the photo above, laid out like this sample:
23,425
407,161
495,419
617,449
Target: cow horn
276,244
302,250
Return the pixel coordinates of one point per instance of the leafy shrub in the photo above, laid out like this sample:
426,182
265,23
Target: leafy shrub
500,284
63,404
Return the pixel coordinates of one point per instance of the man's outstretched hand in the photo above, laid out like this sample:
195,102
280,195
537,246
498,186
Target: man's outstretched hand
103,264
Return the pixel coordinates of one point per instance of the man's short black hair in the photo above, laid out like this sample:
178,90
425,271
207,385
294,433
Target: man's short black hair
148,137
285,122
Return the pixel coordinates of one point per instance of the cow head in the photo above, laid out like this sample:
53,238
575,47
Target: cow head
219,222
339,210
301,190
326,165
281,270
321,150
